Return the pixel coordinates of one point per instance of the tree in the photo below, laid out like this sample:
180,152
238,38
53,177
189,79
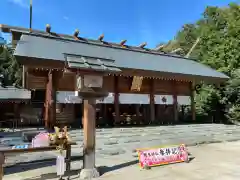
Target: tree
232,97
9,67
219,33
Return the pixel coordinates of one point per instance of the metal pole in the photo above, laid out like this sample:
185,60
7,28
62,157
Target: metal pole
30,23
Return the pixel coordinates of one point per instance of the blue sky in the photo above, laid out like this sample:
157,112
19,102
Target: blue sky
153,21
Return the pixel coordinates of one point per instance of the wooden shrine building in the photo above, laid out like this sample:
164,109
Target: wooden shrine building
140,72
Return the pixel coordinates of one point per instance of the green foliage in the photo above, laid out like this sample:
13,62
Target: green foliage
233,114
219,47
232,97
9,67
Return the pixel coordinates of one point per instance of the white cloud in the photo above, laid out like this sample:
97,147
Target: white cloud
21,3
66,18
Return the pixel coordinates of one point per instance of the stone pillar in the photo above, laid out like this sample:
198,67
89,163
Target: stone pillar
192,96
89,170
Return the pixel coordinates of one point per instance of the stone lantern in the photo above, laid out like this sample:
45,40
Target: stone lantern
89,86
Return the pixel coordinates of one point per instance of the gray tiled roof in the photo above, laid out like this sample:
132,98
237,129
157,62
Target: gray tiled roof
55,48
11,92
81,62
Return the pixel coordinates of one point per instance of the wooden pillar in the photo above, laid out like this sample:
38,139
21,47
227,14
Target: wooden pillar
183,112
138,118
116,99
2,160
192,96
175,102
50,100
16,109
47,100
152,101
53,99
104,109
89,123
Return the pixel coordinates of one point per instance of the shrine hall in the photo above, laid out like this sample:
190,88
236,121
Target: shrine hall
145,85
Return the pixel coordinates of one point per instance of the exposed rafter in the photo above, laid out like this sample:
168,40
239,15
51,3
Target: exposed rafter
159,47
48,28
142,45
76,33
100,38
122,43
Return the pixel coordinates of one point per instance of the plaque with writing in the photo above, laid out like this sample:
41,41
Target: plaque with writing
136,83
160,156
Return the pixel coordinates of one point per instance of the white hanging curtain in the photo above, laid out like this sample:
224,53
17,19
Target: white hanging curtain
163,99
107,100
134,98
184,100
66,97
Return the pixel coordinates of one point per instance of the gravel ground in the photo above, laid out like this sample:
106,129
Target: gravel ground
122,141
217,161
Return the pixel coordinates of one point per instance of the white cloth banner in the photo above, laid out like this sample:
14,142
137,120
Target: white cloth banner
134,98
60,164
65,97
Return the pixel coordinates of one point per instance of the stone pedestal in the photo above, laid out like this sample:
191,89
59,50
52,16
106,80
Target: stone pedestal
89,173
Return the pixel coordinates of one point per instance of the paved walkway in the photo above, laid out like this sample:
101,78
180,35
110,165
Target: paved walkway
122,141
219,161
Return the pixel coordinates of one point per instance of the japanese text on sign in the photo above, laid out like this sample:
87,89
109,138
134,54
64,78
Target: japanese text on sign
160,156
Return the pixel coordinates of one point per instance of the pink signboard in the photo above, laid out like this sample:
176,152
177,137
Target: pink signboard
162,155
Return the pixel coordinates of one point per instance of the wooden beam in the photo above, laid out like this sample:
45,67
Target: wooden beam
38,73
193,108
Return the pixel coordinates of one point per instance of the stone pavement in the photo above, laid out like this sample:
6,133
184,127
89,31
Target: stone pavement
123,141
218,161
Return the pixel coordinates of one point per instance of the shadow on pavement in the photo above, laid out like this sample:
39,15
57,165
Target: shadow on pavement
21,167
53,175
105,169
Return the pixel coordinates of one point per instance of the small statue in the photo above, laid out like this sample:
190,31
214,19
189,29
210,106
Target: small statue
60,138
